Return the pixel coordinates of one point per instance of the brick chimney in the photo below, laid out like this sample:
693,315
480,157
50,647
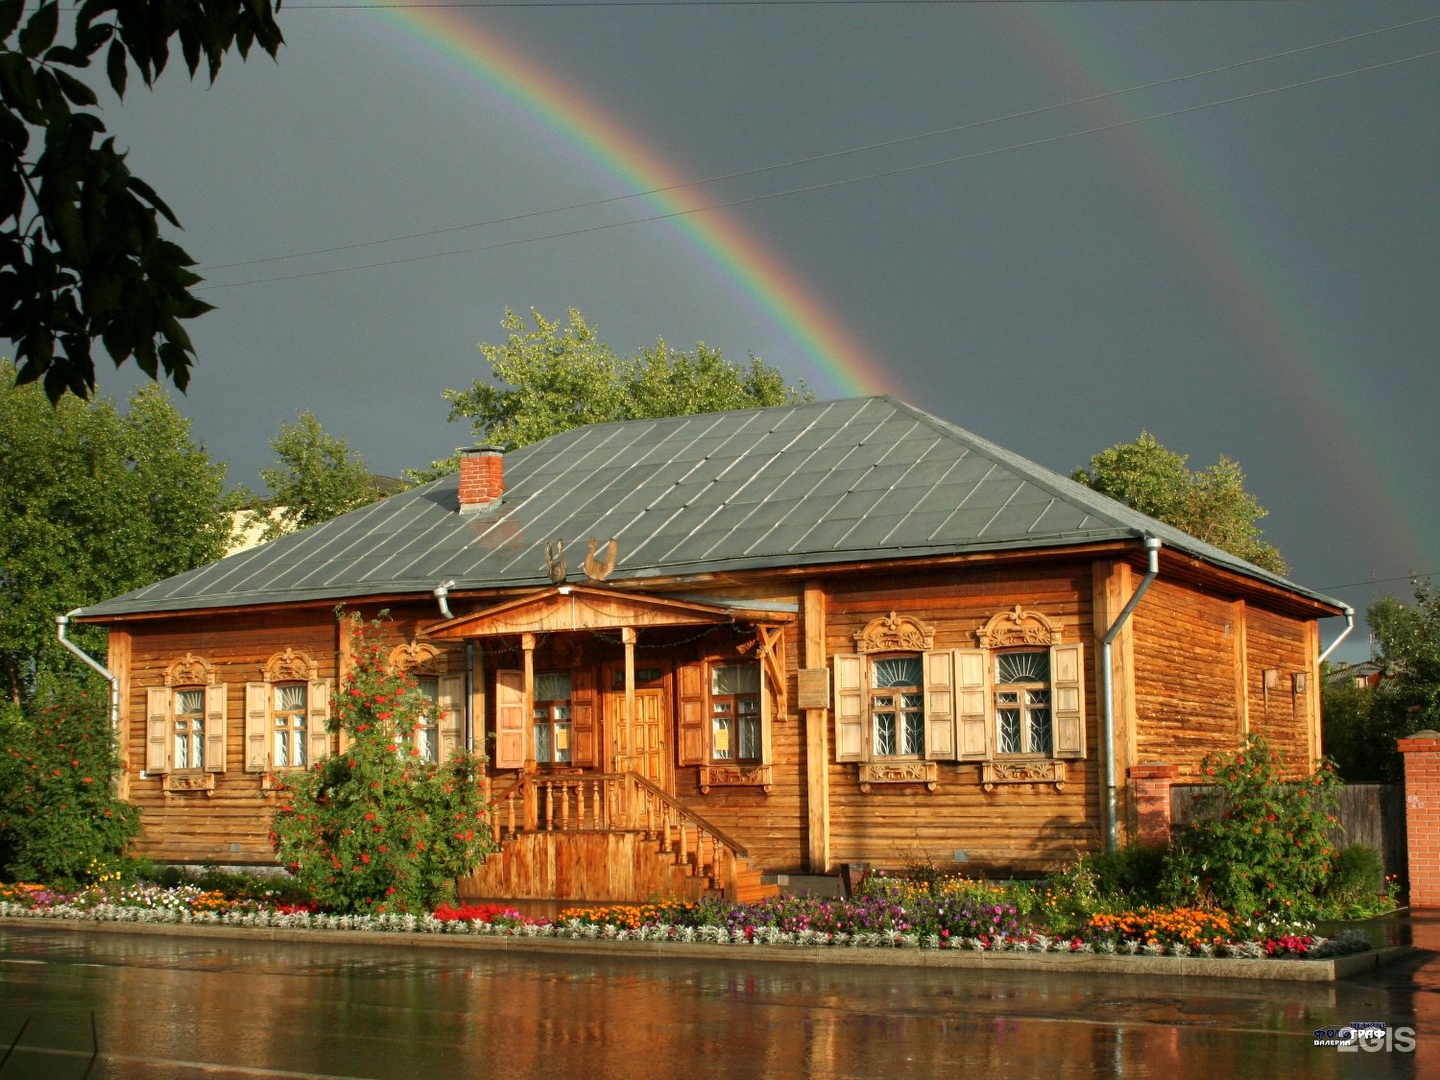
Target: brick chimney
482,477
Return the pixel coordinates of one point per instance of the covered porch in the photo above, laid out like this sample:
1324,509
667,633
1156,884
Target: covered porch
593,699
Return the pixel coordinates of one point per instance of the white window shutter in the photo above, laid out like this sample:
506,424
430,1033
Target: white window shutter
509,719
940,705
257,726
450,718
157,728
972,699
215,712
849,707
317,720
1067,699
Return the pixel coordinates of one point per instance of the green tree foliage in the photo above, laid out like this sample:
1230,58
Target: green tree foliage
1361,727
1211,505
93,503
553,378
60,821
316,477
375,828
81,255
1260,846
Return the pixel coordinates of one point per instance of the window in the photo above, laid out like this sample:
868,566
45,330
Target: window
185,725
897,706
735,712
1022,703
287,716
427,731
552,717
189,725
288,726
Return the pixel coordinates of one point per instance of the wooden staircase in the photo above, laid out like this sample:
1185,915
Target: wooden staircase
612,838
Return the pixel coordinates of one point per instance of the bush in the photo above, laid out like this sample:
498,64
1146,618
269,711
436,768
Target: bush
1261,845
375,829
1357,879
60,819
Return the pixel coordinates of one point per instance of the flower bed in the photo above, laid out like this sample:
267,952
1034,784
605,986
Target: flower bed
932,922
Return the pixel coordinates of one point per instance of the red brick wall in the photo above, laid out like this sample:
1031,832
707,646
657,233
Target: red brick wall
482,476
1152,802
1422,816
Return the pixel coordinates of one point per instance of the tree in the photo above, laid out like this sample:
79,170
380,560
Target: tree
317,477
555,378
1211,505
81,256
61,823
92,504
376,829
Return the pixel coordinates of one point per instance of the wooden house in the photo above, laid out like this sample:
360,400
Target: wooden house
703,649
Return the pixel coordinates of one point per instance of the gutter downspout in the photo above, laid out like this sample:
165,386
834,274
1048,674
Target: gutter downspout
1107,678
62,621
1349,625
440,592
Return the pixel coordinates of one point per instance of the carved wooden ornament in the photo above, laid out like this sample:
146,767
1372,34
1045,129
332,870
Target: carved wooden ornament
190,670
418,658
894,633
289,666
1018,627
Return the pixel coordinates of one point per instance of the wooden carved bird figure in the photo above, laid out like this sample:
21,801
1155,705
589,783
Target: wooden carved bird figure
555,561
598,569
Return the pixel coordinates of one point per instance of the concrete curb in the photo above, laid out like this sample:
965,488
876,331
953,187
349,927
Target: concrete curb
1328,970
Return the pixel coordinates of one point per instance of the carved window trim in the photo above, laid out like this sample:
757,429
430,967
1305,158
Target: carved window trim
190,670
895,633
1016,627
289,666
418,658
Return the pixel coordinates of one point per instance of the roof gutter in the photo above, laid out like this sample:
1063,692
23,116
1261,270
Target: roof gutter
1107,680
1349,625
62,621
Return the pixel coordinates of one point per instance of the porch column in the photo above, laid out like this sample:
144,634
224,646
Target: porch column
532,807
1422,816
817,742
628,636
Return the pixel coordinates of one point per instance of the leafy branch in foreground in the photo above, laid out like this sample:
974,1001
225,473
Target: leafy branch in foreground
81,255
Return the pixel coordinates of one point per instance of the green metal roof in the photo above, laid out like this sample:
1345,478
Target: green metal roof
792,485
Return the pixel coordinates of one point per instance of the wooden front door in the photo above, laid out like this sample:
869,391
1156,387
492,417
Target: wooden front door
650,756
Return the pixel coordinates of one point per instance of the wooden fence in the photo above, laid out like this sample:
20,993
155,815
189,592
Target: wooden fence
1372,814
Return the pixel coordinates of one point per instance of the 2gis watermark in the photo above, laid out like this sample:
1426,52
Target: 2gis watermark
1367,1037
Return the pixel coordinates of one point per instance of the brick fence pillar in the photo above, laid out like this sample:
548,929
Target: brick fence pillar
1422,816
1152,783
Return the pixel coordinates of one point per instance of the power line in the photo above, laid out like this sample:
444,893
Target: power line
1380,581
956,129
1099,129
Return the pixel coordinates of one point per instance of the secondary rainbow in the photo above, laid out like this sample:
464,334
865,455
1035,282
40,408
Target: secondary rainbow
480,55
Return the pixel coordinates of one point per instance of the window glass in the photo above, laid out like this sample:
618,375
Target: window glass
289,726
552,717
735,712
897,706
427,737
190,729
1022,702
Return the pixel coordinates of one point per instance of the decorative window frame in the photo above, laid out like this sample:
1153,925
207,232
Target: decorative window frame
185,672
696,728
420,659
960,717
288,666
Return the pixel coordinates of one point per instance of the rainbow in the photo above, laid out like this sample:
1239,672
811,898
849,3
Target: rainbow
836,365
1309,373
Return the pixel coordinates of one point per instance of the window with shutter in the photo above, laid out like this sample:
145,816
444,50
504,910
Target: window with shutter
552,727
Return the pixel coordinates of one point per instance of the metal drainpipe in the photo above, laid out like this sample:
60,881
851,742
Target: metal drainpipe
1107,679
62,621
1349,625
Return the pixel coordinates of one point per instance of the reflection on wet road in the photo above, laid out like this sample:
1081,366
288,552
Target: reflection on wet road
179,1007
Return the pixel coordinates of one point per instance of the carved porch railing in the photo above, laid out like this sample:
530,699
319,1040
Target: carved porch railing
616,802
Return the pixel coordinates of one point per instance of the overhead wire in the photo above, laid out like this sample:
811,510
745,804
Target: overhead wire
824,185
829,156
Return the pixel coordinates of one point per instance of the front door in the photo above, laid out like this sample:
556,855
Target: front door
650,756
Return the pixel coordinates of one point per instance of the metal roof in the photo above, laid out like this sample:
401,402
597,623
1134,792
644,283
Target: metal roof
791,485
